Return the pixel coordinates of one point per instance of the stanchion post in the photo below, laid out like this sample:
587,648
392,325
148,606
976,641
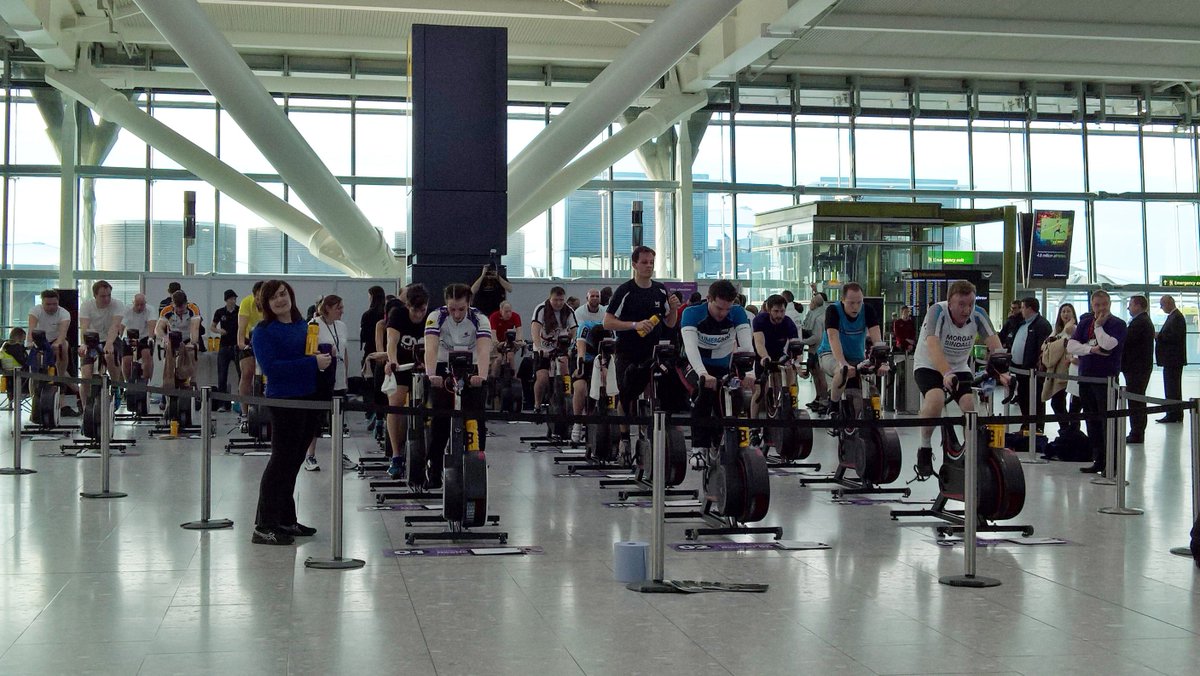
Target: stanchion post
1033,458
335,562
106,423
205,522
1110,436
1194,422
970,509
658,487
1122,450
16,468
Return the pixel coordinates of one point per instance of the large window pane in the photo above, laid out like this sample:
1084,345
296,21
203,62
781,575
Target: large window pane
942,160
33,227
382,144
1170,159
823,151
998,155
31,138
712,161
764,149
1171,234
120,226
1113,161
882,158
166,226
20,295
1056,156
129,150
717,258
259,245
325,125
524,124
587,226
527,255
762,265
386,207
193,116
1120,242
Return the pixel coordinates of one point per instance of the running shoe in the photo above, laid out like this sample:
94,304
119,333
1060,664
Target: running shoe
271,537
311,464
396,469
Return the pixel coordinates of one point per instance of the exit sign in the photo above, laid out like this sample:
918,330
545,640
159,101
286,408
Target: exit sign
952,257
1181,280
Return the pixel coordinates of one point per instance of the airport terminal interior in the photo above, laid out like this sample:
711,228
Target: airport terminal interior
876,160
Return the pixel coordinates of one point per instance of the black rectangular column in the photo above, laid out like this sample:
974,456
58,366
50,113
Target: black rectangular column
459,83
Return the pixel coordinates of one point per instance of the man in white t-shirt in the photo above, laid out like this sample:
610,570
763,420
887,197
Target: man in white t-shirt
55,321
138,317
941,362
591,310
101,314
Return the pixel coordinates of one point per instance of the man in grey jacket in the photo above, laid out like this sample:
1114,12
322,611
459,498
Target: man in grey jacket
812,331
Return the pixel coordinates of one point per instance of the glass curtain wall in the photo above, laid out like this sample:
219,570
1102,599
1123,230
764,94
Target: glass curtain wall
1131,179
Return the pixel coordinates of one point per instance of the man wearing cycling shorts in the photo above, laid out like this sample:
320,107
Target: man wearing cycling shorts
637,312
550,319
941,362
772,331
405,329
711,333
100,314
181,317
850,325
587,346
455,326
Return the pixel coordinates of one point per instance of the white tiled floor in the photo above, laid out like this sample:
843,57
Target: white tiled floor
116,587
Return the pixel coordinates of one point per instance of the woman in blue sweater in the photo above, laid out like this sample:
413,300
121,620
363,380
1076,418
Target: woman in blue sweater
279,346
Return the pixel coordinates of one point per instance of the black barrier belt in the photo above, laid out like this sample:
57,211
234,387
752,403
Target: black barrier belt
1079,417
188,393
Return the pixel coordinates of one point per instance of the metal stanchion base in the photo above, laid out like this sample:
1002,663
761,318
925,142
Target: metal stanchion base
1185,552
653,587
969,581
334,564
1123,511
1102,481
15,471
207,524
103,494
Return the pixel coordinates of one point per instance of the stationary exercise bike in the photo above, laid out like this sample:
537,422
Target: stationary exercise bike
557,426
45,397
1001,479
603,439
93,415
136,402
464,491
776,402
256,420
737,487
873,452
506,387
179,410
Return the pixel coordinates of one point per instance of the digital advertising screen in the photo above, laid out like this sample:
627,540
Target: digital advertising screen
1049,248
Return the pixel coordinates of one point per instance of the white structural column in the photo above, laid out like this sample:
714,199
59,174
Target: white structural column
68,196
206,51
685,265
639,66
116,108
652,122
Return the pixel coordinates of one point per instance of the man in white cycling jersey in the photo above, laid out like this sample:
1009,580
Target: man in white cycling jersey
941,361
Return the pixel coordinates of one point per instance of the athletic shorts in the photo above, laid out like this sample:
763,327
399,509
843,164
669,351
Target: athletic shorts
828,363
929,379
542,361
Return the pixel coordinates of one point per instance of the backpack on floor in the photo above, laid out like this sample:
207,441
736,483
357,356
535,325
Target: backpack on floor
1071,445
1017,441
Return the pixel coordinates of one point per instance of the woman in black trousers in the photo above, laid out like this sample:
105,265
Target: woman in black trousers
279,346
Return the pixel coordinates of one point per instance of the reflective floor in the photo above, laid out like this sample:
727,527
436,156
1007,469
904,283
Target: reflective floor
117,587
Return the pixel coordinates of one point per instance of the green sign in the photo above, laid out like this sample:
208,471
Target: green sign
1180,280
952,257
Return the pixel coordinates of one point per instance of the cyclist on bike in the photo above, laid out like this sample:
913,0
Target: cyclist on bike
550,319
850,325
942,360
179,317
712,332
772,331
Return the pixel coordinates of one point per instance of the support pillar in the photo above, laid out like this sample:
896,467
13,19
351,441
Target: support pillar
68,197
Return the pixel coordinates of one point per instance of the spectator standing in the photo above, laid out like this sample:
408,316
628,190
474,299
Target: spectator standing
812,332
489,290
1009,330
793,310
1026,353
1137,363
1171,354
1099,342
904,332
225,324
331,383
1056,359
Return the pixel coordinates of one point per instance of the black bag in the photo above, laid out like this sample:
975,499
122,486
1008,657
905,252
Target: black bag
1072,445
1017,441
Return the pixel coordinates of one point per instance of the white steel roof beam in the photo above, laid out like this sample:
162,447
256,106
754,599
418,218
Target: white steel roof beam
1014,28
647,58
39,24
194,37
116,108
516,9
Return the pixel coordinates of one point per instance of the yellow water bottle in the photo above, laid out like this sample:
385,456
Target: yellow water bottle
174,428
472,428
654,319
310,343
875,402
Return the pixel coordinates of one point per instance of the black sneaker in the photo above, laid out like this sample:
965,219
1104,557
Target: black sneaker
298,530
271,537
924,466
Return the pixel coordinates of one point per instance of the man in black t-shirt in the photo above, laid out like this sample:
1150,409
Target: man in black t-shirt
224,324
489,290
405,330
637,313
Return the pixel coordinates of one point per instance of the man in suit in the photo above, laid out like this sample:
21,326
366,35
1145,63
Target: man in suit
1026,346
1137,363
1171,353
